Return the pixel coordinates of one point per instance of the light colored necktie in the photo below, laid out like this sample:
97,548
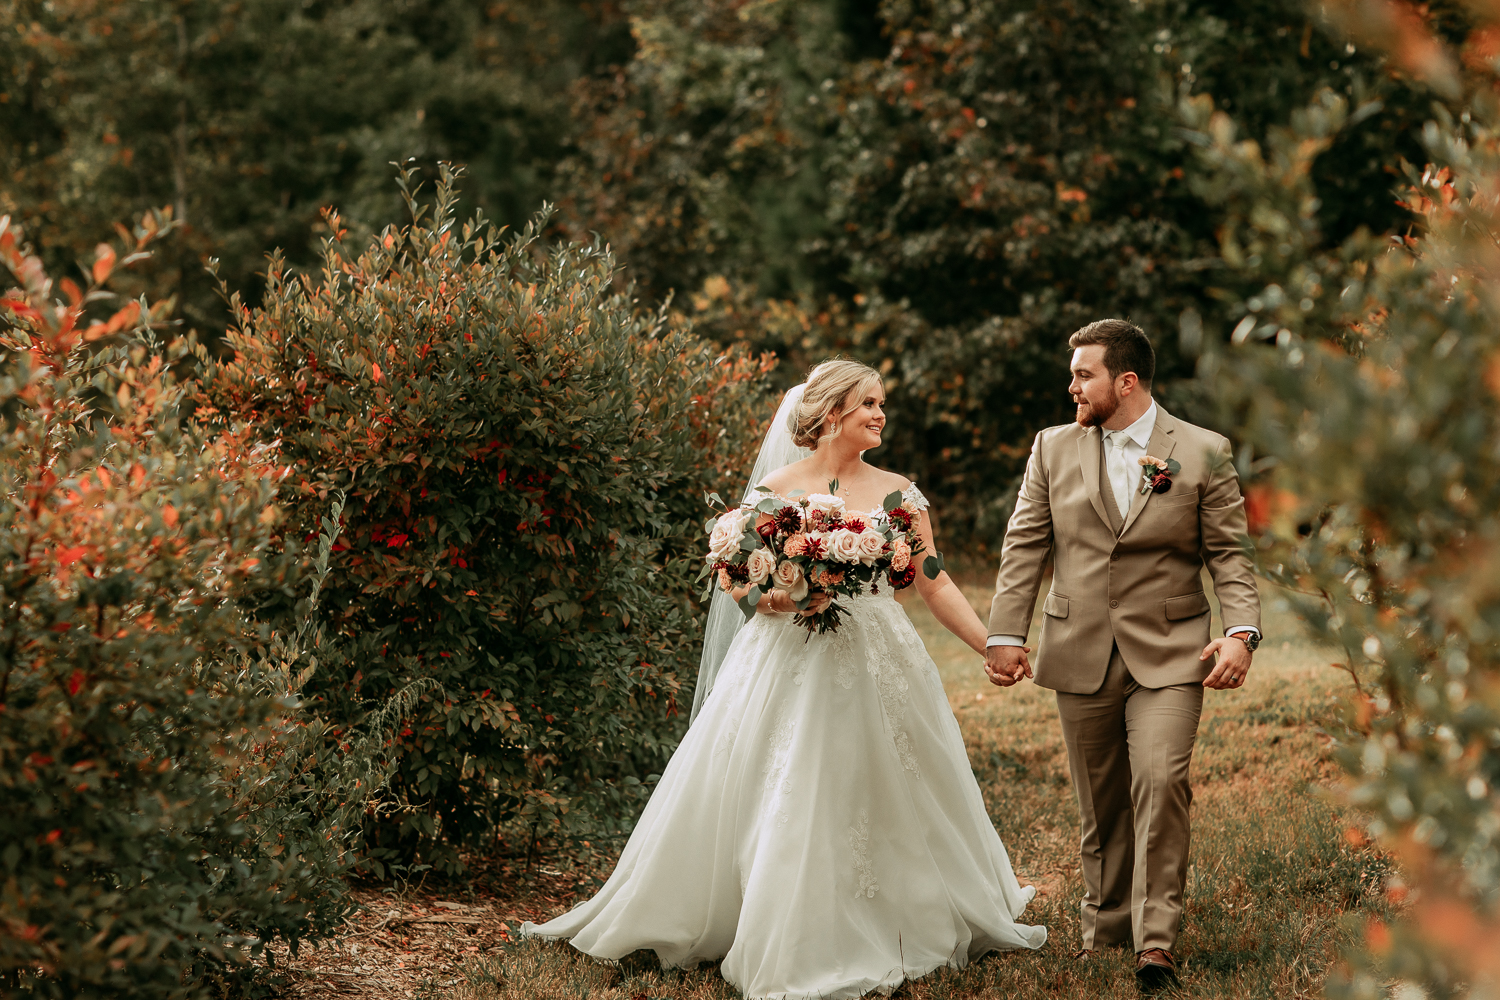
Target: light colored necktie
1119,473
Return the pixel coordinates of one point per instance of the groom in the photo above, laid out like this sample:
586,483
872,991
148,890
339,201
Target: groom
1125,629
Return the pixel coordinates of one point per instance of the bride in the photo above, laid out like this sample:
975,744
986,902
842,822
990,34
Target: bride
819,828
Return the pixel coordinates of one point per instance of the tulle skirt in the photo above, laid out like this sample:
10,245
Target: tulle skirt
819,828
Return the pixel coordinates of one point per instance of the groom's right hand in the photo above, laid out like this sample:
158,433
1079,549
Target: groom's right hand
1005,665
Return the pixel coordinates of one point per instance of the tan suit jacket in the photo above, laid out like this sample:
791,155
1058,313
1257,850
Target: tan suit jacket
1140,588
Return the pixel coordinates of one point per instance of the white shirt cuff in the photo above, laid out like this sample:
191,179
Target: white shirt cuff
1241,628
1005,640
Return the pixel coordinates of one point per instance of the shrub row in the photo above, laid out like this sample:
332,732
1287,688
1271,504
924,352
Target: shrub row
501,459
524,450
170,810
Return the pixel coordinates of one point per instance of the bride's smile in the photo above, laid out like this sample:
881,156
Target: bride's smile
864,423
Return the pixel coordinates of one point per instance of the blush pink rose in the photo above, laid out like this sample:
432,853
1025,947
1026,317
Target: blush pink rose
871,547
724,539
824,503
843,546
760,564
788,577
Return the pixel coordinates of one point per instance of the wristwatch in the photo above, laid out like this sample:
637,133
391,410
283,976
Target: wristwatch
1250,639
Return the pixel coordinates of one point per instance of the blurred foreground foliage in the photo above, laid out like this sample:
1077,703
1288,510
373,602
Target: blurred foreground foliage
1363,377
170,809
525,451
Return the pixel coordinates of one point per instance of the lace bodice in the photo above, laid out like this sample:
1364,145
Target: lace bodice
915,497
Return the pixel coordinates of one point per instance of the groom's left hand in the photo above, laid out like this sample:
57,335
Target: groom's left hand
1233,665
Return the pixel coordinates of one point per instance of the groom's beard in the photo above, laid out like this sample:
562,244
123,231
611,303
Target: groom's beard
1096,414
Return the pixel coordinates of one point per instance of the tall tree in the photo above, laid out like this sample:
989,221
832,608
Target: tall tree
248,119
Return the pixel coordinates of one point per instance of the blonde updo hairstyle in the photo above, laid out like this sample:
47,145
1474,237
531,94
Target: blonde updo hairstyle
830,388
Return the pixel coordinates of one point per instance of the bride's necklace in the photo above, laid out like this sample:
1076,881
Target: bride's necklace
836,488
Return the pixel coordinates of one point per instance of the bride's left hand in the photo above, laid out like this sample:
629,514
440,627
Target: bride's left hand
820,601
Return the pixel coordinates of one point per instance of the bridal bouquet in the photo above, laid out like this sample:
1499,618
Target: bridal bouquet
809,543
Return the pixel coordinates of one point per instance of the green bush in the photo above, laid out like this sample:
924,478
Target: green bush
524,453
300,785
169,810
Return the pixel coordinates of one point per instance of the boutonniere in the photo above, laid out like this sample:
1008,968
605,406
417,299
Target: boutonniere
1156,475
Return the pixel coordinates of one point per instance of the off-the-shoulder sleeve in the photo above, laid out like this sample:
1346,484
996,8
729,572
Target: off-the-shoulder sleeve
914,496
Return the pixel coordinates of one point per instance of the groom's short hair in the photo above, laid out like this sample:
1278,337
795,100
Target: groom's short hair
1126,348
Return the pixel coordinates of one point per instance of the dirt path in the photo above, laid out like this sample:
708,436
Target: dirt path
411,944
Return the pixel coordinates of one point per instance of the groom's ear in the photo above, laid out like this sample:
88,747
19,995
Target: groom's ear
1127,382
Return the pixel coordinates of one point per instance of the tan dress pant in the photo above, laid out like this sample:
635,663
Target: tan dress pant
1129,748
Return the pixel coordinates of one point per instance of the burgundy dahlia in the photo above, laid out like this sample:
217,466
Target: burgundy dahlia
1161,482
788,520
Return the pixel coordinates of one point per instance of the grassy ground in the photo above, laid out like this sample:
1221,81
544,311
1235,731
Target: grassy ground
1275,885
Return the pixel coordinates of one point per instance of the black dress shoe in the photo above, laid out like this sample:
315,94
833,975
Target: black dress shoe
1155,969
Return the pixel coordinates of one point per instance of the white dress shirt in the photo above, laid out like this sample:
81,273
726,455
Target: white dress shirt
1123,451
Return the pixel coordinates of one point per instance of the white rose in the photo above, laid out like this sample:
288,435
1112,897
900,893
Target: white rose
871,546
788,577
825,502
843,546
760,564
724,539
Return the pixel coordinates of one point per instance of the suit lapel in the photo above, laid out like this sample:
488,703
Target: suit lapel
1162,443
1090,451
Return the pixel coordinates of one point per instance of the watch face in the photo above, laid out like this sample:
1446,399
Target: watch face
1252,641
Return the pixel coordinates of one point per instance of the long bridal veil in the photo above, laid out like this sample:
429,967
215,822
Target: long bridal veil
724,616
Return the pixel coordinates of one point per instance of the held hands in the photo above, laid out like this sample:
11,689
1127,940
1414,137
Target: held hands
1233,665
1005,665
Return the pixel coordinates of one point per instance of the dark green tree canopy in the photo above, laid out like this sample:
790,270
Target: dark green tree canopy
949,190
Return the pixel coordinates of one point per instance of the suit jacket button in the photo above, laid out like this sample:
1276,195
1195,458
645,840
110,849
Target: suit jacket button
1114,556
1114,604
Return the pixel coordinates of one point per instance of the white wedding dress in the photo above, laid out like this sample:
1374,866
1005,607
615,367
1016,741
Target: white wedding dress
819,828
